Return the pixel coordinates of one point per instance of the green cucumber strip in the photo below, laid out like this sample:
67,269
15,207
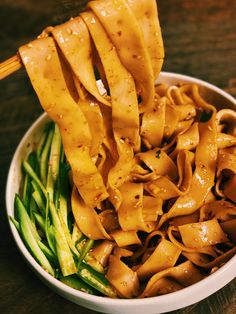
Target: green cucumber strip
88,258
55,153
51,238
79,241
75,282
26,194
47,252
49,229
37,188
62,209
41,145
39,221
32,209
34,176
91,261
63,192
68,236
54,162
43,163
26,191
88,245
39,201
76,234
29,236
64,254
18,205
96,280
32,160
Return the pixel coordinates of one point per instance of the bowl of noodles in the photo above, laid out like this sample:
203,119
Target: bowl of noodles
186,257
121,197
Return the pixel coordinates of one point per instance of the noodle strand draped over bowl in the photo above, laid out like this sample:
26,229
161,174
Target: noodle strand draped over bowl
153,167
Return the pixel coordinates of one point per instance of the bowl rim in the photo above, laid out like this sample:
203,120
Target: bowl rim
172,301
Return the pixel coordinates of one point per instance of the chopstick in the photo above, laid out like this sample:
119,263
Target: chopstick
10,66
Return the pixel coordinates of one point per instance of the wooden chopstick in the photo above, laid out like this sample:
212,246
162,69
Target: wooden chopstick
10,66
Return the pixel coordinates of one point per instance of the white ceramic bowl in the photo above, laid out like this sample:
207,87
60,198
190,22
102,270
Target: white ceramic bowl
159,304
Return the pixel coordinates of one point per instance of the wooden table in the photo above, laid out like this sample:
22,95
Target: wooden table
200,40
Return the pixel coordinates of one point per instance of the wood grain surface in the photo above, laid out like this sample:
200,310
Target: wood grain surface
200,40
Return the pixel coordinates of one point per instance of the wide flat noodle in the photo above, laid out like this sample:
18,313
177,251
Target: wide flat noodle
230,188
185,274
185,219
225,140
43,66
205,162
164,188
102,252
125,116
164,286
153,124
202,234
86,218
227,117
109,140
91,110
219,209
125,238
178,97
159,162
122,27
130,212
143,250
184,164
226,161
73,35
189,139
181,103
122,278
164,256
109,220
200,260
147,16
171,121
152,208
229,228
173,233
121,86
